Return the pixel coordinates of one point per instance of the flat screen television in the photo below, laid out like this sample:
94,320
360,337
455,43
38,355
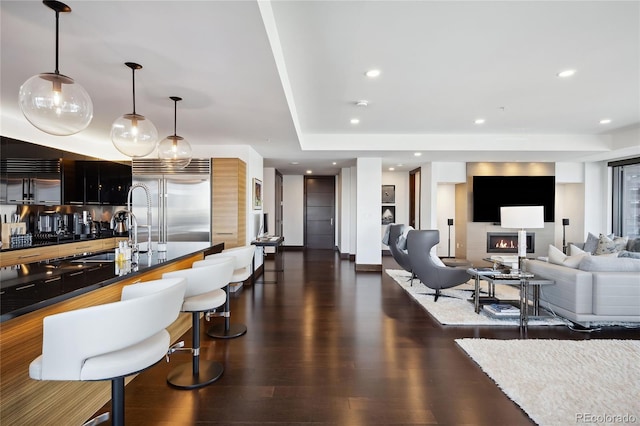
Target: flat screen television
492,192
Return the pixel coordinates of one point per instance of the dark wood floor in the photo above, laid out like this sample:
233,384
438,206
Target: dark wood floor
329,346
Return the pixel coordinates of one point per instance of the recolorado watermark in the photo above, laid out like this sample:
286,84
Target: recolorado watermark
605,418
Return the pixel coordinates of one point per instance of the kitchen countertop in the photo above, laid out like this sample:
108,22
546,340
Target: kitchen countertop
30,286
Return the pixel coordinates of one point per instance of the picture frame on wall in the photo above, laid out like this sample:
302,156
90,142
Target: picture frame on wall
388,215
257,194
388,194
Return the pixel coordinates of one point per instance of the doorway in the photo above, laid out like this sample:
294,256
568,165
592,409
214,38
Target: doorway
319,212
414,198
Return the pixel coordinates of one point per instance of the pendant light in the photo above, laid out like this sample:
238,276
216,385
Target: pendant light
53,102
132,134
174,150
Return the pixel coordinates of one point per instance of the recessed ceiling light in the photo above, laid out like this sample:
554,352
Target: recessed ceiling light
391,169
334,163
417,154
295,163
355,120
309,172
372,73
566,73
400,165
605,121
362,103
479,121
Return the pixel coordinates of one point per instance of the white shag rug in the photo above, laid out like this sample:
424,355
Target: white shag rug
456,309
565,382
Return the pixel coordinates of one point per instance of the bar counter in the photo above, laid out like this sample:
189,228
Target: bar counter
27,401
30,286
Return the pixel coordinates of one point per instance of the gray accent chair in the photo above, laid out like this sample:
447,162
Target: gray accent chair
400,255
419,244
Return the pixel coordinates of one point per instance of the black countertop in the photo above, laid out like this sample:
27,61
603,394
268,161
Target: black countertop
30,286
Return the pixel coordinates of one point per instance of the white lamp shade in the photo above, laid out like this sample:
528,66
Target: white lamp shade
133,135
55,104
175,151
522,217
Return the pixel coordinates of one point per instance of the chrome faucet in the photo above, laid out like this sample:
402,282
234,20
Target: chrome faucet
132,219
130,212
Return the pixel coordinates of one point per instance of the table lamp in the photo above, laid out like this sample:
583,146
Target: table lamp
522,217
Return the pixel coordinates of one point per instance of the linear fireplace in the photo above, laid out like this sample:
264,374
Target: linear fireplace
507,242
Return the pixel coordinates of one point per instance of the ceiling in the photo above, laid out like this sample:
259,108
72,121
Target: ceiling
284,77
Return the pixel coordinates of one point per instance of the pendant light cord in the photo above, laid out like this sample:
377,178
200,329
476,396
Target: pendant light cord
57,71
133,85
175,116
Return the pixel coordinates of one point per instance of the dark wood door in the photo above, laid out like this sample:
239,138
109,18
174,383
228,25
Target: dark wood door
319,212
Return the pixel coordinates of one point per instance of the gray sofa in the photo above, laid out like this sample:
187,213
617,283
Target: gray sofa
602,289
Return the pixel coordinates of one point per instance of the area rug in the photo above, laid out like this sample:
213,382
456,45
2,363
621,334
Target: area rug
564,382
453,306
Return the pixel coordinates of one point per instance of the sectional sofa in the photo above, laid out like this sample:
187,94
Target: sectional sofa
591,289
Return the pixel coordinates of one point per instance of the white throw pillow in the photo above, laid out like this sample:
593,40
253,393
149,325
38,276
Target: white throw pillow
573,250
557,257
435,258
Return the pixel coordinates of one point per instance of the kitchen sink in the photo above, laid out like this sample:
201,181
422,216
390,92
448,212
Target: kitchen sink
96,258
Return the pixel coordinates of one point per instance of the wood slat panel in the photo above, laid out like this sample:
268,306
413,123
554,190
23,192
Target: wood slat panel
229,201
27,401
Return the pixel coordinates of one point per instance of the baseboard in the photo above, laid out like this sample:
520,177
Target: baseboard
352,258
293,248
363,267
386,253
344,256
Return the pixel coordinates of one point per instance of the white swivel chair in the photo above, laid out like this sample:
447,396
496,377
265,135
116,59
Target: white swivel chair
204,293
243,257
111,341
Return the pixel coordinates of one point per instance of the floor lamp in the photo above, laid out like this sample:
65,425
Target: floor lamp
522,217
450,223
565,223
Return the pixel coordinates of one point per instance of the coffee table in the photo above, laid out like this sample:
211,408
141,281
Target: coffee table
524,280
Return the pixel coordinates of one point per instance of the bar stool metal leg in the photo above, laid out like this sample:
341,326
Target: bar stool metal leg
227,330
198,373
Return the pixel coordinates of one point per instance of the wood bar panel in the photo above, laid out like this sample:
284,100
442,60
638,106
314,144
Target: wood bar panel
27,401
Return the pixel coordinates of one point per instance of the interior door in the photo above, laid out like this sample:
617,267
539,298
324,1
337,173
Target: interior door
319,212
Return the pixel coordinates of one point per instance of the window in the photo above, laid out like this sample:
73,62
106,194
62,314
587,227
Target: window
626,197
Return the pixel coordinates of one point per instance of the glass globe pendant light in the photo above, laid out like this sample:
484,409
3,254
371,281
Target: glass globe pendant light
53,102
174,150
132,134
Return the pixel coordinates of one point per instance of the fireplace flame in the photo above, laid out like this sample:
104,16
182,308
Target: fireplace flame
506,244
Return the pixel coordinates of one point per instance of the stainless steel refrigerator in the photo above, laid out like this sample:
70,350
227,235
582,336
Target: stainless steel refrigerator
180,200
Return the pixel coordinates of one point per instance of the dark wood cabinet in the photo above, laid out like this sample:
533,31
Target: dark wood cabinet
96,182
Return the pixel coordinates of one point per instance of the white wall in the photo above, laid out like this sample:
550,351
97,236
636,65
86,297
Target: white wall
446,210
345,204
369,181
353,241
293,210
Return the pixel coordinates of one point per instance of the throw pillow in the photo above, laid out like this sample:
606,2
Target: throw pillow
591,244
631,254
634,244
608,245
573,250
435,258
557,257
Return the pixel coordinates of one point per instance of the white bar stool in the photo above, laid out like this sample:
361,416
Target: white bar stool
111,341
243,257
204,293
